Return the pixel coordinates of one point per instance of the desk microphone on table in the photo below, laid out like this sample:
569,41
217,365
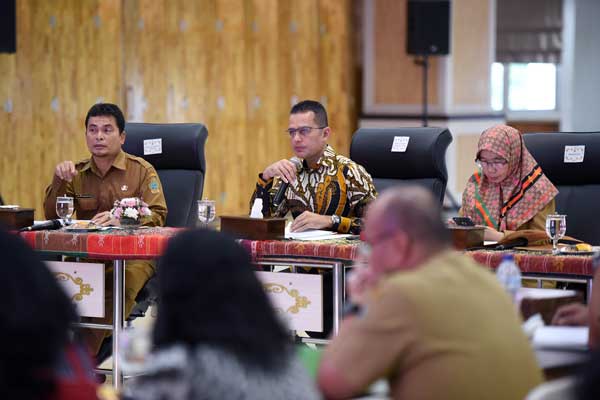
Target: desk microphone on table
280,195
43,226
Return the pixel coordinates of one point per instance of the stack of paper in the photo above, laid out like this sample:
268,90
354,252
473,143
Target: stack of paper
314,234
561,337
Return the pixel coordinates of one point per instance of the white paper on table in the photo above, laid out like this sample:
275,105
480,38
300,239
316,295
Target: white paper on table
561,337
313,234
539,293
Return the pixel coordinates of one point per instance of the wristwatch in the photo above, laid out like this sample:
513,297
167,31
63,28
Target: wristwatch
335,221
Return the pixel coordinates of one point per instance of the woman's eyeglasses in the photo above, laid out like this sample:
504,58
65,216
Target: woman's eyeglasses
497,163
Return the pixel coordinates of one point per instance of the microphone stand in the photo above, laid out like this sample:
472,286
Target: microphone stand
424,62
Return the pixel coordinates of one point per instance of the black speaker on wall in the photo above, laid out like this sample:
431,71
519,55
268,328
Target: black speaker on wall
8,35
428,27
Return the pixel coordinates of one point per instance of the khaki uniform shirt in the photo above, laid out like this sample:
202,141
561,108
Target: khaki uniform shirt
446,330
129,176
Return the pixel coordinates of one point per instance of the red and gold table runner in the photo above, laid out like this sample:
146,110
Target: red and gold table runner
151,243
139,244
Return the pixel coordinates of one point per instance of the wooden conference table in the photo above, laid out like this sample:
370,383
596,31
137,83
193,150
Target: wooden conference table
337,255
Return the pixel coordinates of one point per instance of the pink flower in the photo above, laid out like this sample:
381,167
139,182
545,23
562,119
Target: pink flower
117,212
131,207
129,202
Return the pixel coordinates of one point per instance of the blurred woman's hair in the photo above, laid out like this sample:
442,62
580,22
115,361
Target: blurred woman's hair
209,295
35,314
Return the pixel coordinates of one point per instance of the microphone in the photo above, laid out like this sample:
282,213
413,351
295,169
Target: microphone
280,195
46,225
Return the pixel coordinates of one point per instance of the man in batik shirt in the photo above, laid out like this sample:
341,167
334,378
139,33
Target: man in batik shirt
328,191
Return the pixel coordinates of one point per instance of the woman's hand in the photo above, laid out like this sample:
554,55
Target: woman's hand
492,235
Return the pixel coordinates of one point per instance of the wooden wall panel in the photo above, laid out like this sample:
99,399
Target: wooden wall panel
8,140
466,150
535,126
234,65
267,107
232,148
472,53
398,80
338,90
68,56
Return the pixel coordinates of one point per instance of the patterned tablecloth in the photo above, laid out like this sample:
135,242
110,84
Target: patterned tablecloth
151,242
145,243
528,261
539,262
341,250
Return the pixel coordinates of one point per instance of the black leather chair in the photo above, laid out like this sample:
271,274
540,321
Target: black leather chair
423,162
181,166
578,182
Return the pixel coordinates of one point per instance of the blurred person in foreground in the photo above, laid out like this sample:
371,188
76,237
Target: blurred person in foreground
95,183
430,320
509,191
37,359
216,335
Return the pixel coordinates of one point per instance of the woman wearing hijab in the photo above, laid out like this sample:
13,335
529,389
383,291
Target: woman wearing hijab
216,335
509,192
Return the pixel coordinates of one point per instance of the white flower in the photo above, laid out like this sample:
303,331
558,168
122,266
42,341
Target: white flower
131,213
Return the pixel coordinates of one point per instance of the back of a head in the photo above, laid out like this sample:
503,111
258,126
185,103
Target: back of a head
311,105
209,295
35,315
414,210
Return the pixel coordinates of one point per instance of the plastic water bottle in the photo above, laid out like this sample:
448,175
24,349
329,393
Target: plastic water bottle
509,275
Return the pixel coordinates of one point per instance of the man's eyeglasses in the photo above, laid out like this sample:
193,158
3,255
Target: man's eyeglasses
303,130
497,163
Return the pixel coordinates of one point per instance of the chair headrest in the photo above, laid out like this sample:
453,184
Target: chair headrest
182,144
549,151
424,156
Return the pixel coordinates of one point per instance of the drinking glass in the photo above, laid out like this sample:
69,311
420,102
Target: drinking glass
206,212
64,208
556,226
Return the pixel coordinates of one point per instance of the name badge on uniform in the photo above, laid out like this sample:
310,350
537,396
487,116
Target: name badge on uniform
153,185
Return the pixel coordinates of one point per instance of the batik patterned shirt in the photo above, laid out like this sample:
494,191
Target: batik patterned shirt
337,185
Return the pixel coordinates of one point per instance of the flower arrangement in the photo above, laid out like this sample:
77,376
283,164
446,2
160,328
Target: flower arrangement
130,210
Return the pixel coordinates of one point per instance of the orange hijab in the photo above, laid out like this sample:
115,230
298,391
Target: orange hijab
520,196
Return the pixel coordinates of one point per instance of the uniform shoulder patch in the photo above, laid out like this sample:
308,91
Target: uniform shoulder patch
154,186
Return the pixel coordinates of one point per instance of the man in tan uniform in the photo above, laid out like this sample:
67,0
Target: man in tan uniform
95,183
431,321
